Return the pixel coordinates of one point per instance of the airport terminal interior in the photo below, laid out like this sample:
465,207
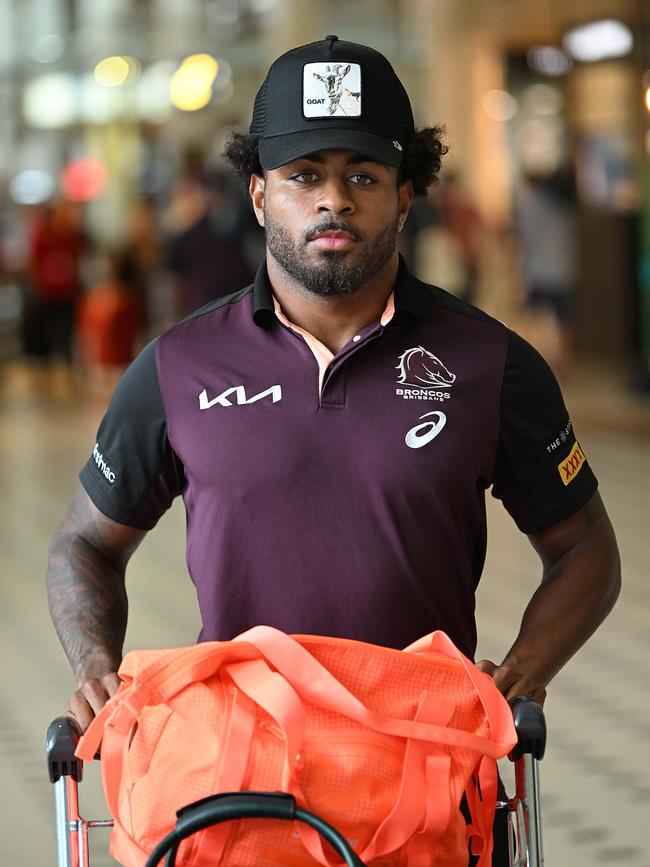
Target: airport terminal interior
113,116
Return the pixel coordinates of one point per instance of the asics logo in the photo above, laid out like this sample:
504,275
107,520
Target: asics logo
240,396
423,433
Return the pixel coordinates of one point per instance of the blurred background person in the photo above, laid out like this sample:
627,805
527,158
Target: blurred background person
138,261
208,225
444,239
546,227
56,248
110,320
462,220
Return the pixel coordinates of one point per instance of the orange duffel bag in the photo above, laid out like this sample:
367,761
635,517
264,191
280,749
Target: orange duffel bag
381,743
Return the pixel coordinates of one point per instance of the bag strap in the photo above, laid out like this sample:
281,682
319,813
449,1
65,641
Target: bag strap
416,805
424,800
313,681
112,728
196,663
272,693
496,708
231,771
481,796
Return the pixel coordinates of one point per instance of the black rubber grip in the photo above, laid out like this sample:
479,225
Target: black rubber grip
531,728
63,735
245,805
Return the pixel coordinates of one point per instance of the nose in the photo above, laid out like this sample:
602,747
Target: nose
335,197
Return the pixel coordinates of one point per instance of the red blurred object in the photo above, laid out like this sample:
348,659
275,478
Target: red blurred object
56,247
84,179
108,322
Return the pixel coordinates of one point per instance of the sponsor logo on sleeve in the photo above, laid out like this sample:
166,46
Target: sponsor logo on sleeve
423,376
103,466
569,468
560,439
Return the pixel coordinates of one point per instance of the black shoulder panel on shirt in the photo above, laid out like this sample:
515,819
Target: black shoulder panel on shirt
422,298
133,475
541,472
216,304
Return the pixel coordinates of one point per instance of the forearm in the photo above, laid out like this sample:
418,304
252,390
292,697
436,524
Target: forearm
88,605
86,587
577,593
580,584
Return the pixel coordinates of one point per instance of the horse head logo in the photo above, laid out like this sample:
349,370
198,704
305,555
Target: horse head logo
421,368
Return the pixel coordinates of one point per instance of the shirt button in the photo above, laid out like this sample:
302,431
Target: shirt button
356,338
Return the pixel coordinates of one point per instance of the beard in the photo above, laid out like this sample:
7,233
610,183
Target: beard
329,274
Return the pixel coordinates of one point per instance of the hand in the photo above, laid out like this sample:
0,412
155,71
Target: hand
512,682
91,697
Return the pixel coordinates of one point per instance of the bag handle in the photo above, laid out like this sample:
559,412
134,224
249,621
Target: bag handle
112,728
272,693
421,772
313,681
496,708
231,770
137,690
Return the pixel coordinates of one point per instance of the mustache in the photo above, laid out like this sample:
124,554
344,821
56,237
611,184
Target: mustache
333,224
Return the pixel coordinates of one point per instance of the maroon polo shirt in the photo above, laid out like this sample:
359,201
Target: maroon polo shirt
354,507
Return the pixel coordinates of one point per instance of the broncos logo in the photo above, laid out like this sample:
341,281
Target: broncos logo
422,369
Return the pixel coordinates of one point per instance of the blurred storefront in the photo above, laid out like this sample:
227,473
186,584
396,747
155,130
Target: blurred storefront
103,98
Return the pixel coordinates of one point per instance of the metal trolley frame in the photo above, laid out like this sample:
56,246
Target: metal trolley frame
66,772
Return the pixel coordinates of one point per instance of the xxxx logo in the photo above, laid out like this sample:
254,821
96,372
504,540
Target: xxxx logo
570,468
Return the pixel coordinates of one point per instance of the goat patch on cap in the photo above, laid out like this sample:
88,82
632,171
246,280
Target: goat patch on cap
331,90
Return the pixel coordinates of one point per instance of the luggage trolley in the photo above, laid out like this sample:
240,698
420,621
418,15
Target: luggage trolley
66,771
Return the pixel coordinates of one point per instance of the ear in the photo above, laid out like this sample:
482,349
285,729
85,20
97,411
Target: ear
405,196
345,71
256,190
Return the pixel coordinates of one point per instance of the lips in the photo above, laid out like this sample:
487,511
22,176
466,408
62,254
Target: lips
333,240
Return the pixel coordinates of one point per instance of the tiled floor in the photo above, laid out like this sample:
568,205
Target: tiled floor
596,776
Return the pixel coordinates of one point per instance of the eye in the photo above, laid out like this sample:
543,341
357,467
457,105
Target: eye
305,177
361,179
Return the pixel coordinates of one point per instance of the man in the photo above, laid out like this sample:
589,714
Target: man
334,427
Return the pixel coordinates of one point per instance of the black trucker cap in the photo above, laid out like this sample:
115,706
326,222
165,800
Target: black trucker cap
331,94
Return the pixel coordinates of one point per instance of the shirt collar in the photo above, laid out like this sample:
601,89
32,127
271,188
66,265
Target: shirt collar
411,295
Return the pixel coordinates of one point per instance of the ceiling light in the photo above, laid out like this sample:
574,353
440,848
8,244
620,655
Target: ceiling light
599,40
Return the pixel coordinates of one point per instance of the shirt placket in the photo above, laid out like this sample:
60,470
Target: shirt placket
332,389
331,381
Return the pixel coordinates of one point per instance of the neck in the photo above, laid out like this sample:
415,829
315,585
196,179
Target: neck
334,320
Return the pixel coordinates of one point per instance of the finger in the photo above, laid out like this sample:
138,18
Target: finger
96,692
111,682
79,709
486,666
527,689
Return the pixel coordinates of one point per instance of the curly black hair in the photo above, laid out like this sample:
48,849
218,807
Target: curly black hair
423,154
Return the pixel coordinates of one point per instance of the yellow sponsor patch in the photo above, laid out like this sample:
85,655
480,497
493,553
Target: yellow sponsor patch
570,467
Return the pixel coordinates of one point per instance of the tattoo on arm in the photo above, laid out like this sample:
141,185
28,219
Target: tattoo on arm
86,587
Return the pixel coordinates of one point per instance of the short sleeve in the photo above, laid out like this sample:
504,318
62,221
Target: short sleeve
133,475
541,472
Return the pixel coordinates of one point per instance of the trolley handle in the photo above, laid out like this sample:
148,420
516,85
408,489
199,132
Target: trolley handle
530,726
63,735
246,805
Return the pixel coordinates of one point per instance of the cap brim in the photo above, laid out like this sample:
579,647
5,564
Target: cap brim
278,150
